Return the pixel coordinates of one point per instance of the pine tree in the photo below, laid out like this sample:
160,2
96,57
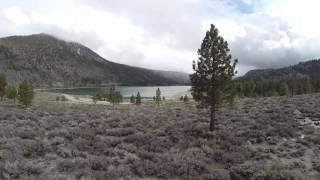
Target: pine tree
185,98
112,95
300,89
138,99
133,99
98,96
316,83
181,98
115,97
248,88
25,93
273,93
239,89
158,96
3,84
307,86
212,79
11,92
283,89
292,87
118,97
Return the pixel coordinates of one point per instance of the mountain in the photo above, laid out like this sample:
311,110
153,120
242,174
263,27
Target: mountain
46,61
300,70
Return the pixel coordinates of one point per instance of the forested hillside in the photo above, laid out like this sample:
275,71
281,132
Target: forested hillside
46,61
274,87
302,78
303,69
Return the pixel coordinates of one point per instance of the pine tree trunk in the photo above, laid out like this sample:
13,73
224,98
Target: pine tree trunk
212,117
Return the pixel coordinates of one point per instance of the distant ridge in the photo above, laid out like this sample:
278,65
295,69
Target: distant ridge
300,70
47,61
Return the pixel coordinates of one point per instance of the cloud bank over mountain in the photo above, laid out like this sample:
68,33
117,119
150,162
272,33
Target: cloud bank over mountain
166,34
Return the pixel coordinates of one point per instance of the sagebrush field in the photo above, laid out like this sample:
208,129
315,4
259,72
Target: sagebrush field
261,138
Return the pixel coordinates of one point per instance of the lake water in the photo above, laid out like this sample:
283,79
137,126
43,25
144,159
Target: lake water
127,91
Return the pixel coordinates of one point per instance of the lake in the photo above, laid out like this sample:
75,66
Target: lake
127,91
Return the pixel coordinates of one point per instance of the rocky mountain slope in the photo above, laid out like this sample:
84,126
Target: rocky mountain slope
302,69
46,61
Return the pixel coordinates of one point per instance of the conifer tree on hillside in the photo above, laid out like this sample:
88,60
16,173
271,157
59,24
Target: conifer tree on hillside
292,87
25,93
274,87
300,88
284,89
213,71
138,99
3,84
307,87
239,89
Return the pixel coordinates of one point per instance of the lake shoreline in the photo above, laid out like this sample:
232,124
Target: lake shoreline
42,96
106,86
147,92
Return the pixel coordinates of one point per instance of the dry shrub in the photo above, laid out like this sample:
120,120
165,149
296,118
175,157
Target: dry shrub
70,165
118,132
128,147
27,133
32,148
99,163
245,171
233,158
99,142
65,152
59,133
285,175
81,143
30,168
9,169
59,176
207,149
217,174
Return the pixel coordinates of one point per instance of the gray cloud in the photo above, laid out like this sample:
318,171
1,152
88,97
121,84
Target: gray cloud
166,34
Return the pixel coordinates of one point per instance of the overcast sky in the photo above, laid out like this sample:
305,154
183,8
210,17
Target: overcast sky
165,34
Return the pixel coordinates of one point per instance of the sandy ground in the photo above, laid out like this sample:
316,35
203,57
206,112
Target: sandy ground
87,100
78,99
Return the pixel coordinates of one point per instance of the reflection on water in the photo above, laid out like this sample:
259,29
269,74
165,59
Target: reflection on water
126,91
